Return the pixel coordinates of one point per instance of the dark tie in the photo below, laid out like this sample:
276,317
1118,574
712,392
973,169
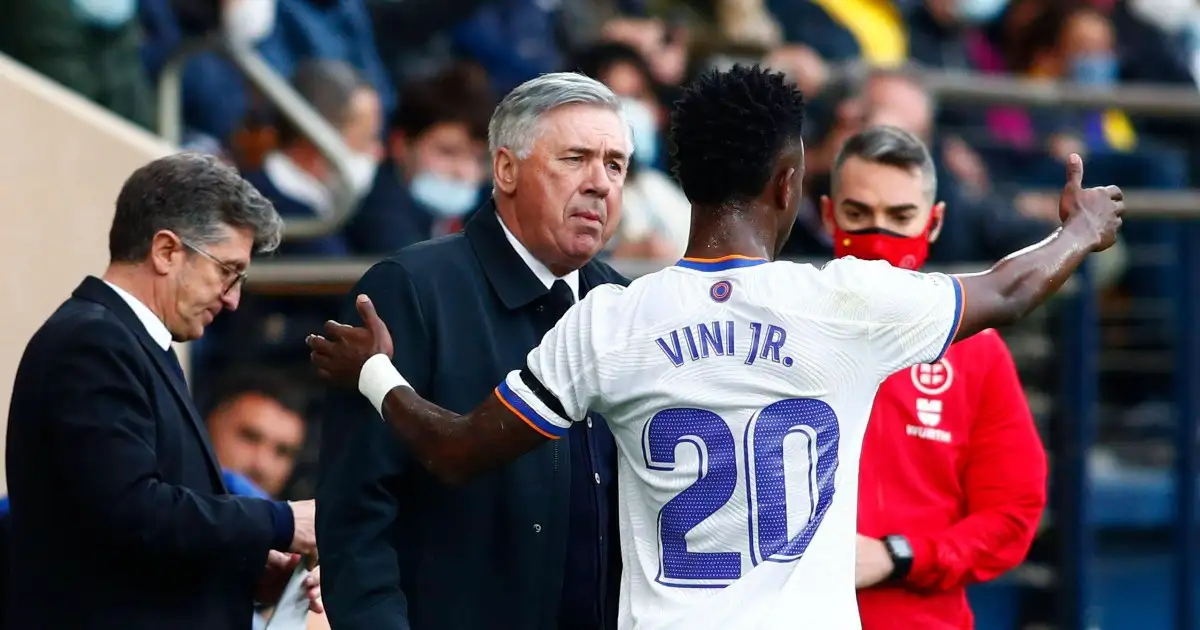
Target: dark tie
561,297
173,360
553,305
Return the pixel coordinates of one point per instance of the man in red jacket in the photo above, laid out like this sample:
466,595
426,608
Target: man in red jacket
953,476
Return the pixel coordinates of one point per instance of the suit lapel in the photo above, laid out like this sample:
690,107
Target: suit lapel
179,387
94,289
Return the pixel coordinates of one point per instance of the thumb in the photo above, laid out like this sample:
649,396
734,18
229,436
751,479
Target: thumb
1074,171
366,310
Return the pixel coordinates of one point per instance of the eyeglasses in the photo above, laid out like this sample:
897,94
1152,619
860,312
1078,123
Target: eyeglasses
234,276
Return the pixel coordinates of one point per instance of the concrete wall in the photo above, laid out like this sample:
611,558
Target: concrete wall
62,162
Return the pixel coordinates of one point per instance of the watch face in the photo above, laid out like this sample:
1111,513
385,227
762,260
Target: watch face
900,546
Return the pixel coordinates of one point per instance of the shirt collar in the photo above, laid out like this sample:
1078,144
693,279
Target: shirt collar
158,330
297,183
539,269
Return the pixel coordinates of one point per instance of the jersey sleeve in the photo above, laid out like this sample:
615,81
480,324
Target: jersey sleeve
559,382
911,317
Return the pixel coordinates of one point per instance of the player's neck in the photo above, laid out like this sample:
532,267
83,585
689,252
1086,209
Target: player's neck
735,236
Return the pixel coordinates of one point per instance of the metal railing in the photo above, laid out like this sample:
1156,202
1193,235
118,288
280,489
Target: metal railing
281,95
1169,101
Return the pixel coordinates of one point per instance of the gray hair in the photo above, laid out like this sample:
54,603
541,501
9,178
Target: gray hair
891,146
515,124
193,195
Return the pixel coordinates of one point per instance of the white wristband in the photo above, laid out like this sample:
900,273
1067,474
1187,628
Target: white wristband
377,378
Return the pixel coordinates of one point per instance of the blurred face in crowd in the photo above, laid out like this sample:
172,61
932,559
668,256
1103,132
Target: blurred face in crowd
566,194
201,280
879,211
646,116
1085,50
362,124
898,102
444,166
361,133
256,436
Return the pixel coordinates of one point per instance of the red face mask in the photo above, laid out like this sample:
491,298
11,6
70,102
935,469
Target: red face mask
905,252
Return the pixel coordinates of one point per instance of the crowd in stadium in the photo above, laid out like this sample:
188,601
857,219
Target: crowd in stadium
412,88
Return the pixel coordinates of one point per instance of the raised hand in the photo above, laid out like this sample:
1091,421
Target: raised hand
1096,211
341,352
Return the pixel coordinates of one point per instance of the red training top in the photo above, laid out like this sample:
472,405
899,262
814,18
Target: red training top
952,461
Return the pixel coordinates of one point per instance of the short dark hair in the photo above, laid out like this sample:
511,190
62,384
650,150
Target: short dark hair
890,146
460,94
192,195
256,380
728,129
328,85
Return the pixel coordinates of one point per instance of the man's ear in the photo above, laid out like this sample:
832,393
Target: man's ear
504,170
783,187
166,252
827,219
937,220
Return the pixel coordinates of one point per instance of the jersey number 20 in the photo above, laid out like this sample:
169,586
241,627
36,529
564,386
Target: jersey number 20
717,480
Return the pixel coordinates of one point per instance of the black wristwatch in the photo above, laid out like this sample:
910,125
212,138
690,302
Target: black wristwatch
901,553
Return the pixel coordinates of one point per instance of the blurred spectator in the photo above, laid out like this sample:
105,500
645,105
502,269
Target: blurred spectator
842,30
939,29
437,165
1080,46
296,177
1159,40
338,30
515,40
980,225
656,216
89,46
663,47
214,94
257,427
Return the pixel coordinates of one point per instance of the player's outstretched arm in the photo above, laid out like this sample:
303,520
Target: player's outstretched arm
453,447
1023,280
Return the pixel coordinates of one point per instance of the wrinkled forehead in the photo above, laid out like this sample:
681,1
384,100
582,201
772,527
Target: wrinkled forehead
597,129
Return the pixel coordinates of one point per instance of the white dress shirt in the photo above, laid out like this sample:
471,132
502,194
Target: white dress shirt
539,269
157,329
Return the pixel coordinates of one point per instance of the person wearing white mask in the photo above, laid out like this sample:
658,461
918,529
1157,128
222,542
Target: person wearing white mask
296,177
89,46
438,166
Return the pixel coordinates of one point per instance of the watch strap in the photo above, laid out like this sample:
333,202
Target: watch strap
900,550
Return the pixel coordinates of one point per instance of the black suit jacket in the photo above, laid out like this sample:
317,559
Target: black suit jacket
398,549
119,515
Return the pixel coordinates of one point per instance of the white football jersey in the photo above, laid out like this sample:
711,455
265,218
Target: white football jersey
738,392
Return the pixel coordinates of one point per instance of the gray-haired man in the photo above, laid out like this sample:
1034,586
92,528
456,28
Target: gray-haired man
120,515
532,546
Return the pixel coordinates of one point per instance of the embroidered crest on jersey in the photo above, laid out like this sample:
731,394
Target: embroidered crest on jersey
721,291
931,380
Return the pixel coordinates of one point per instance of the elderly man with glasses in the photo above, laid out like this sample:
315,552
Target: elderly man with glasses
118,506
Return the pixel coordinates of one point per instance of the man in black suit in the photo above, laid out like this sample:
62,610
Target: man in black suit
533,545
119,514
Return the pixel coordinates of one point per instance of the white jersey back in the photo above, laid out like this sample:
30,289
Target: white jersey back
738,392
